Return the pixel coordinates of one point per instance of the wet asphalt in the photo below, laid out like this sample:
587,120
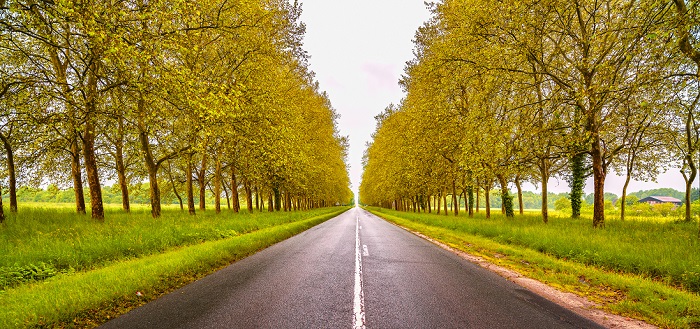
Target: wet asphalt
308,281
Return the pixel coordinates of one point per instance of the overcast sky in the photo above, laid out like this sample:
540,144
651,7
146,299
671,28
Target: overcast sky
358,50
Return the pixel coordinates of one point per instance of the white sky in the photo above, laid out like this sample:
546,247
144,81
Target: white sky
358,50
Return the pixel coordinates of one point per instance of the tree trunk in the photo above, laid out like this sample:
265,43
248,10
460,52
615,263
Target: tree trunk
598,183
91,170
455,205
506,198
470,192
689,186
234,191
150,162
228,196
444,199
478,189
201,180
11,173
520,193
623,198
438,200
2,211
77,177
61,77
544,174
257,199
249,195
277,196
190,189
217,187
487,196
270,206
121,169
577,183
172,182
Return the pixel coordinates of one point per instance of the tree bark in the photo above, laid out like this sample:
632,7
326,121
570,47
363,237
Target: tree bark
270,206
2,211
151,165
598,183
61,77
121,168
11,173
470,192
172,182
544,173
217,187
487,196
228,196
520,193
506,199
91,170
623,198
248,195
201,180
277,196
257,199
478,189
77,177
190,190
455,205
234,191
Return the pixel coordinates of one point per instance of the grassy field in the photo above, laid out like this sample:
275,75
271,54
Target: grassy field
61,269
640,268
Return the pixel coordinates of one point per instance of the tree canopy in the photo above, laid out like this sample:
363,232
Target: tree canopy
503,92
168,93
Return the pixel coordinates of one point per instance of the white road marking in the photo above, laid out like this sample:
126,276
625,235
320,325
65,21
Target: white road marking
359,301
364,251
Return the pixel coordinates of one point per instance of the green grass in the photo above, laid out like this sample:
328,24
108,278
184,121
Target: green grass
46,240
91,271
643,269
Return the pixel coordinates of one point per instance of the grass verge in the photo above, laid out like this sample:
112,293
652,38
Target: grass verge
89,298
640,296
41,242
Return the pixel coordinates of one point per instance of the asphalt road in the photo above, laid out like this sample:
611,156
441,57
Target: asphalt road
353,270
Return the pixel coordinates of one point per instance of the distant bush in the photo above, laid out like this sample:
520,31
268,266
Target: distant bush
562,204
664,209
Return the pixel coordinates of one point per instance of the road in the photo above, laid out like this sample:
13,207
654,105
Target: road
355,270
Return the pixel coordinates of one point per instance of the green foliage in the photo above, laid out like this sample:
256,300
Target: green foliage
11,276
508,204
664,209
631,200
659,192
526,249
664,251
40,242
562,204
577,181
110,289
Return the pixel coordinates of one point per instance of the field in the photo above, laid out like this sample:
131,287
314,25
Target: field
648,269
59,268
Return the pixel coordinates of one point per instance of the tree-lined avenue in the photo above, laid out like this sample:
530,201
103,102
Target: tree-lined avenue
307,281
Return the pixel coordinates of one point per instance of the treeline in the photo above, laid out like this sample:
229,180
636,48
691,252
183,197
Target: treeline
187,96
505,92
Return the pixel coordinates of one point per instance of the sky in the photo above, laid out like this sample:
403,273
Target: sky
358,51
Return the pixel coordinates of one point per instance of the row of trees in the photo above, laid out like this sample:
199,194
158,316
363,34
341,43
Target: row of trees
209,93
504,92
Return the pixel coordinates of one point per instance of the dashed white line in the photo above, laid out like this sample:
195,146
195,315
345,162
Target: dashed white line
359,300
365,253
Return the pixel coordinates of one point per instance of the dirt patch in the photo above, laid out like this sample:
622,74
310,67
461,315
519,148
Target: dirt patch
570,301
